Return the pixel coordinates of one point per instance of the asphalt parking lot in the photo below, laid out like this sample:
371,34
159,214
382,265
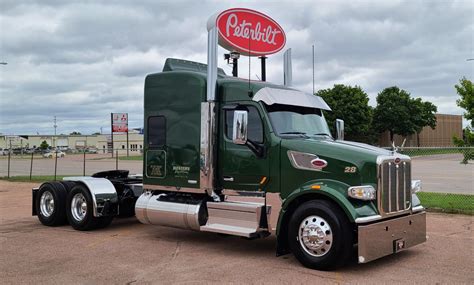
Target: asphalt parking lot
444,173
131,253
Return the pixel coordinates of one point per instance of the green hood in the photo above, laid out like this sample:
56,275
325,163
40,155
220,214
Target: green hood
348,162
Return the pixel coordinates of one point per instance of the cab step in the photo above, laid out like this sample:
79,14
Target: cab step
235,218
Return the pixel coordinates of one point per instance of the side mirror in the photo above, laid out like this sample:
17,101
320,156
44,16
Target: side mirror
239,131
339,129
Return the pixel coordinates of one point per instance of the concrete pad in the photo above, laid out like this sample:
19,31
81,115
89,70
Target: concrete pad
132,253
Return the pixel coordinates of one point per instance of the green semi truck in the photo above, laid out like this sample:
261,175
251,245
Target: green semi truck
253,160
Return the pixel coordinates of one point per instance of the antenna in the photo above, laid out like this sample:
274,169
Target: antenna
249,91
313,69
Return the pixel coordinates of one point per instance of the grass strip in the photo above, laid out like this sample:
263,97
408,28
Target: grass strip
447,202
37,179
135,157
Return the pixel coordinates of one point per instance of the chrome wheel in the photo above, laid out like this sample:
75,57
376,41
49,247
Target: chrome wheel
47,204
79,207
315,236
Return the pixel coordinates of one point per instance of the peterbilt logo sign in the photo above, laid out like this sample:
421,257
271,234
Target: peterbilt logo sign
249,32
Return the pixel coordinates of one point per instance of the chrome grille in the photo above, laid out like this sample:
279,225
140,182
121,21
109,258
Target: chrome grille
394,187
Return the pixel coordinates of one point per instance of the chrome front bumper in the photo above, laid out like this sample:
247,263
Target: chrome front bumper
390,236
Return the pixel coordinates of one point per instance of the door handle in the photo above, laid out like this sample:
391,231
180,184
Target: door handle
228,178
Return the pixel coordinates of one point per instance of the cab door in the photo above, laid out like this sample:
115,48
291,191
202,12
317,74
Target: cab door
241,168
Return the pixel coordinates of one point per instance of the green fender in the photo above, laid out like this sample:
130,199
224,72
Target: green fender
333,190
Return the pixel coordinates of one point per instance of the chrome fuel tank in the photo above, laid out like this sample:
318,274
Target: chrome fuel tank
161,210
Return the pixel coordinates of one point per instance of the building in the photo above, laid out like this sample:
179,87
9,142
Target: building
447,126
135,143
102,142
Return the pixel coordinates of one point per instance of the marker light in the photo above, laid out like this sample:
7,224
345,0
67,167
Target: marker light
415,186
366,192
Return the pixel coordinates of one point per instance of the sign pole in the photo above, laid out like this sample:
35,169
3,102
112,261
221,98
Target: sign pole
263,67
112,131
128,146
9,155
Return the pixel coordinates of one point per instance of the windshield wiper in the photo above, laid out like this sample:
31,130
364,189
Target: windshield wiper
323,134
295,133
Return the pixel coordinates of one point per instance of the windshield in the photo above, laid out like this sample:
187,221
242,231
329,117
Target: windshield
297,121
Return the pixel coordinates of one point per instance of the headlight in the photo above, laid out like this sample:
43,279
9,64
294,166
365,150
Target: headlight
362,192
415,186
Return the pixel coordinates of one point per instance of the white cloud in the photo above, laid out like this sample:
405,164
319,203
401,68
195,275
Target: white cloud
81,61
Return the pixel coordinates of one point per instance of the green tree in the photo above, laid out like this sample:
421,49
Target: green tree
350,104
466,92
75,133
422,115
393,112
465,145
44,145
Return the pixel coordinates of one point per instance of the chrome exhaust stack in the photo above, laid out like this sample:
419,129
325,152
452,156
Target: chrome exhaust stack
163,210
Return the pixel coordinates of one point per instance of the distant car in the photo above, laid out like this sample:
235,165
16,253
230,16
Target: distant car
52,154
91,150
4,151
39,150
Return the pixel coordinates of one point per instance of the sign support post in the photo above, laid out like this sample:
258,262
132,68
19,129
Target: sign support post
263,67
128,146
112,131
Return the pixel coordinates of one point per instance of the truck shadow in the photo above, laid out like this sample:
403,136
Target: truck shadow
243,247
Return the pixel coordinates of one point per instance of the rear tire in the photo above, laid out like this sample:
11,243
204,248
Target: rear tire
320,235
68,185
51,204
79,210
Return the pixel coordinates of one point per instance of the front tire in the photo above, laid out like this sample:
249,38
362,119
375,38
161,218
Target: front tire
320,235
79,210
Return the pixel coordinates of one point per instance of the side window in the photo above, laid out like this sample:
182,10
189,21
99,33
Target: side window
255,125
156,131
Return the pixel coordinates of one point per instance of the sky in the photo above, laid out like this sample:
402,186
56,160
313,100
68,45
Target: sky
80,61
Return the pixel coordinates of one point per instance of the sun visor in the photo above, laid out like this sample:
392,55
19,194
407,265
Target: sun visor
272,96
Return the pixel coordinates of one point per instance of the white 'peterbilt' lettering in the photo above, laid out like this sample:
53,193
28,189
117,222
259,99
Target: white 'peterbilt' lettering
244,30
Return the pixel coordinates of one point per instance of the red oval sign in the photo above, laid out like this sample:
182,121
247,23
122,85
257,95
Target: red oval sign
249,32
319,163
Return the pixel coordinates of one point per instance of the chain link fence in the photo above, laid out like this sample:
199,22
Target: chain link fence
465,154
56,164
447,173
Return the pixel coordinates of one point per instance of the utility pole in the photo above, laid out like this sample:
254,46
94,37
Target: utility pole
55,125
